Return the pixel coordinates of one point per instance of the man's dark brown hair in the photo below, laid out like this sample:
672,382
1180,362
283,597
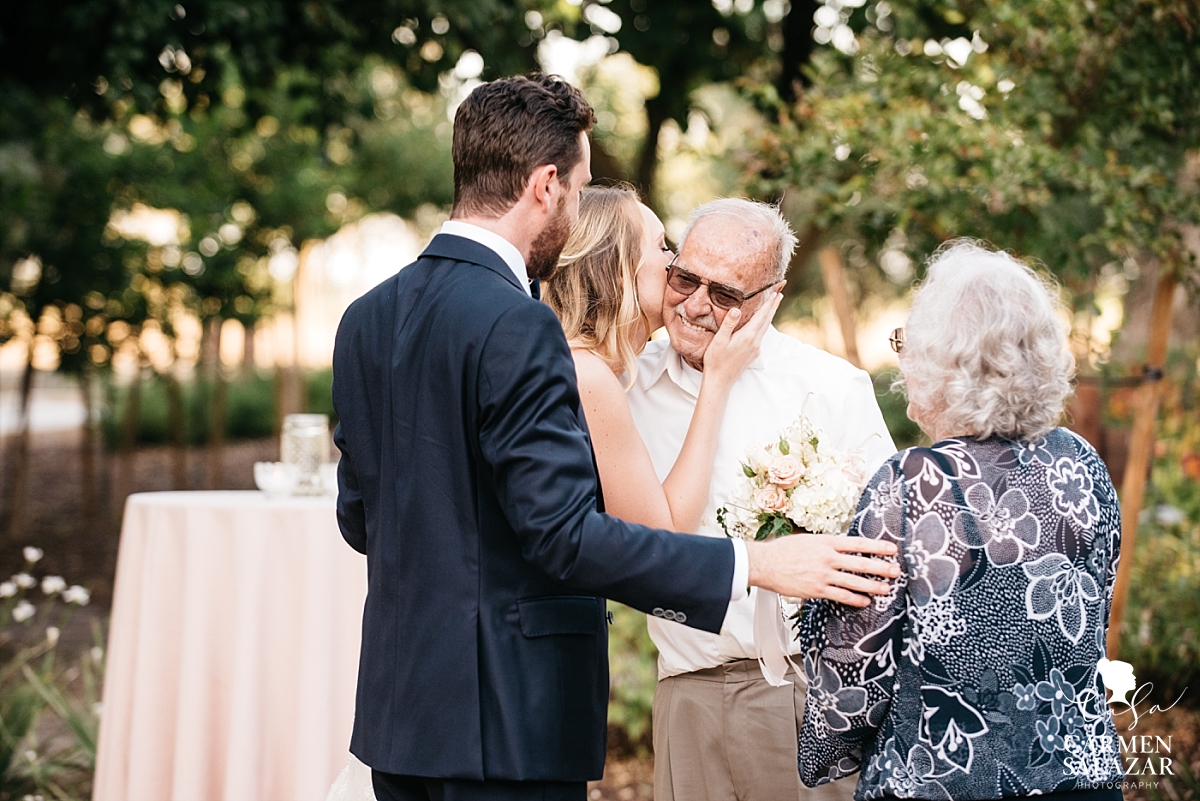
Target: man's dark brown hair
506,129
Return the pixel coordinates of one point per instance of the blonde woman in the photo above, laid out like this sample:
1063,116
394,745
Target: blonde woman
608,291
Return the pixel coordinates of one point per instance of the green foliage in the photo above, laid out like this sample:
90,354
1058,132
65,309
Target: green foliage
319,388
1057,130
251,408
894,406
633,671
1182,785
48,701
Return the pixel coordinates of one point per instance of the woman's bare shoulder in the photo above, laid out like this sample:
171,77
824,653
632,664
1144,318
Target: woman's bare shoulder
593,373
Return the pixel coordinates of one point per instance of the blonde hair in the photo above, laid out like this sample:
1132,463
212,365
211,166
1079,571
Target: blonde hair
593,290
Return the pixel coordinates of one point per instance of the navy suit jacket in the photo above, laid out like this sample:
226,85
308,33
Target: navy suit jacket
467,479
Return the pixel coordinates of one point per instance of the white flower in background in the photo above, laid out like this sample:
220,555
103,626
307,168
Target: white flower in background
33,555
1166,515
97,654
53,584
76,595
8,589
52,635
25,581
23,611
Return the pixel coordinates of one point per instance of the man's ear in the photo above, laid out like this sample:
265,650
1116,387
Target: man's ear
544,186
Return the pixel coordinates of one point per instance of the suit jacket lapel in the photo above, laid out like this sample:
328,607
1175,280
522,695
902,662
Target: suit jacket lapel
449,246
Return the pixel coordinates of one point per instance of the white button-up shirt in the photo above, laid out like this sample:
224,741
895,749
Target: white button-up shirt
787,377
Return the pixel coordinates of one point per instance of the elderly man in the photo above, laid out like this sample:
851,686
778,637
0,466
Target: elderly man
721,730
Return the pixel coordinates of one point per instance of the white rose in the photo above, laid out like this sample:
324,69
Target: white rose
53,584
25,581
8,589
32,554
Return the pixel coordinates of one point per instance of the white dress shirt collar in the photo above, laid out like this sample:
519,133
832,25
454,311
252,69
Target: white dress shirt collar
687,377
493,242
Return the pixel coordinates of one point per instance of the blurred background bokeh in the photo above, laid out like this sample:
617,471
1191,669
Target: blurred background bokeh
192,193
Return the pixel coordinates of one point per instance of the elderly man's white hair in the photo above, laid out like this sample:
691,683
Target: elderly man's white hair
754,214
985,352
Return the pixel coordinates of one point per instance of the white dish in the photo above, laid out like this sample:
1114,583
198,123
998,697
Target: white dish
276,479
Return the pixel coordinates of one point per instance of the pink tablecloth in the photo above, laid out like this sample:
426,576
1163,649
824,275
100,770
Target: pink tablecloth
233,651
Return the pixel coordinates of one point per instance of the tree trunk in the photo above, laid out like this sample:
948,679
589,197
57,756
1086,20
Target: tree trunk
808,242
798,46
127,449
20,475
1141,447
88,486
178,425
216,417
605,166
834,274
657,112
248,366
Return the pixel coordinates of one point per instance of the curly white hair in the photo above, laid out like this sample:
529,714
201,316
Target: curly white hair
985,353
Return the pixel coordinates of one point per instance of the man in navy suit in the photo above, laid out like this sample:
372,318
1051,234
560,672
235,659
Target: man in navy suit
467,479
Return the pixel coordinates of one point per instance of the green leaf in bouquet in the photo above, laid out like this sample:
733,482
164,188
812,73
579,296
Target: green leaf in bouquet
774,525
748,470
721,512
784,447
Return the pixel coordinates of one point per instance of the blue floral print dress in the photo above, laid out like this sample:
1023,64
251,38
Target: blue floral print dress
975,678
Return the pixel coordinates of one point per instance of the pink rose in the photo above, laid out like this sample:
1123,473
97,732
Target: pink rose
771,498
785,471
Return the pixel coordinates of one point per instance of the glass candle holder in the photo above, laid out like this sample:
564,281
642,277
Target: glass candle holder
305,443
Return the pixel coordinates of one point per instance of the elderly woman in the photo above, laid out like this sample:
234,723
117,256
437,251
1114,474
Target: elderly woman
976,678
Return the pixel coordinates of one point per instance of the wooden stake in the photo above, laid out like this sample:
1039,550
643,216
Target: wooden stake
1141,447
835,286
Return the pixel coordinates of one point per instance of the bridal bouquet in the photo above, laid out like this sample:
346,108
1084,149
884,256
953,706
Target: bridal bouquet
795,484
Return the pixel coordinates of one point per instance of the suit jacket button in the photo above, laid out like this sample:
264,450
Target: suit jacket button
680,617
658,611
669,614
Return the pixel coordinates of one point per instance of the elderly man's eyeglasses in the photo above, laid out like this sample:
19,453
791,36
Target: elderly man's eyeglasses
897,339
721,296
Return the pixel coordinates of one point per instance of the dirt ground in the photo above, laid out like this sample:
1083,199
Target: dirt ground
85,552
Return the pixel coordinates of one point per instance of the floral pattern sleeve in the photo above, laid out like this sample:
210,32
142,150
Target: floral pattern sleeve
976,676
851,653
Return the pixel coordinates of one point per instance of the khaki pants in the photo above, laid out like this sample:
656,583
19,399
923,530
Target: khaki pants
725,734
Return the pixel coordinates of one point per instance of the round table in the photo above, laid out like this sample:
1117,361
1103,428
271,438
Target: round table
233,650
